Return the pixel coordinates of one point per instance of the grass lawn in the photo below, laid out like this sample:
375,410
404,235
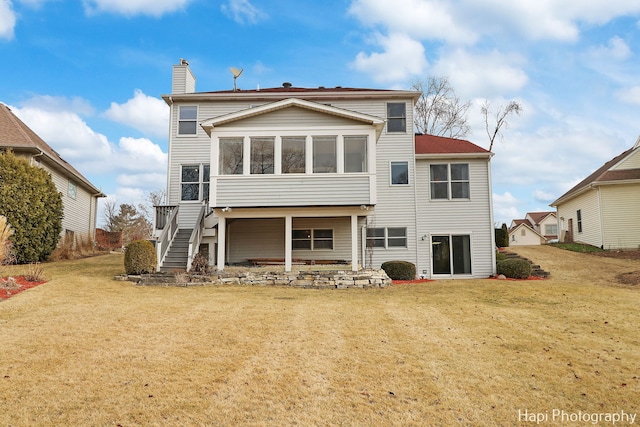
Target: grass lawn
83,349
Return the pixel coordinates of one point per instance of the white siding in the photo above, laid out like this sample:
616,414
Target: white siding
588,204
287,190
470,216
395,203
264,238
631,162
293,115
621,216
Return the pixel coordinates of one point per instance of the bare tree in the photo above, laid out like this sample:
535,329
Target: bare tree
109,214
500,116
439,111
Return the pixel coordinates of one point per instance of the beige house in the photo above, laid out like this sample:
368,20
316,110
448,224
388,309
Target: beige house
537,228
79,196
604,209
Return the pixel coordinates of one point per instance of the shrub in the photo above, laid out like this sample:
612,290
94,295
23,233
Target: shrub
34,273
514,268
200,264
33,206
140,257
399,270
5,244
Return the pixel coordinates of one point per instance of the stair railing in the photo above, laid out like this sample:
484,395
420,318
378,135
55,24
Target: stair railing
169,230
196,236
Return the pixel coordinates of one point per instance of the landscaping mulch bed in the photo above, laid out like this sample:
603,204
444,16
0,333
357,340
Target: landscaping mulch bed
13,285
633,254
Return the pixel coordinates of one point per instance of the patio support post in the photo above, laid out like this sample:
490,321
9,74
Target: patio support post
354,242
222,234
288,221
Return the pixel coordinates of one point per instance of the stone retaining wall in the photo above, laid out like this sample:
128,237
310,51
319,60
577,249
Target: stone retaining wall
329,279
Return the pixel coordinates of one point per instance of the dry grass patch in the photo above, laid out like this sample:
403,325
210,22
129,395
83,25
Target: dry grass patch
83,349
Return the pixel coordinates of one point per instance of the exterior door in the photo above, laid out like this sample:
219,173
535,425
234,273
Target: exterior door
451,254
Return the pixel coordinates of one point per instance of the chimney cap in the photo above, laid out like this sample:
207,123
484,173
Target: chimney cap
184,61
286,85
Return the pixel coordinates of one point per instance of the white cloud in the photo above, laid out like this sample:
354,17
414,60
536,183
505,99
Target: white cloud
616,49
140,154
145,113
630,95
139,163
243,12
505,207
69,135
544,196
417,18
7,20
154,8
482,74
401,58
468,21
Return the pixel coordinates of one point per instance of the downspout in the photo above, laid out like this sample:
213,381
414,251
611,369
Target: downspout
600,218
492,232
168,198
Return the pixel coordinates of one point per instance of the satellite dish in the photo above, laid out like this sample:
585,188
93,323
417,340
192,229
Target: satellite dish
236,73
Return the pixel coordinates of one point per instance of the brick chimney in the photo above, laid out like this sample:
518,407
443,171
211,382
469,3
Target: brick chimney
183,80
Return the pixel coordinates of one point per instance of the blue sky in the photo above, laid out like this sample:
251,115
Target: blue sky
87,75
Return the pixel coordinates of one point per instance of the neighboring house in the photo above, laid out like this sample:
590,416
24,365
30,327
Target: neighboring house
537,228
604,209
79,196
320,175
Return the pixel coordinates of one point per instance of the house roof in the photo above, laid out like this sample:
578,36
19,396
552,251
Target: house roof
538,217
601,175
431,145
283,92
19,137
518,222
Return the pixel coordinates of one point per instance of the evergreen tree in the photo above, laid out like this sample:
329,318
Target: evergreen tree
33,207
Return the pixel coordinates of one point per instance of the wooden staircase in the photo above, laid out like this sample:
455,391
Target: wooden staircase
177,255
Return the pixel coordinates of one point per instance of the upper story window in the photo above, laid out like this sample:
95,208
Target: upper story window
551,229
355,153
449,181
579,220
231,160
399,173
195,182
72,190
396,117
187,120
293,159
262,155
324,154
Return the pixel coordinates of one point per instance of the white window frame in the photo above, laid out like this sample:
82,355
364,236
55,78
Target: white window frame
187,120
449,182
72,190
390,117
391,163
386,238
312,239
203,181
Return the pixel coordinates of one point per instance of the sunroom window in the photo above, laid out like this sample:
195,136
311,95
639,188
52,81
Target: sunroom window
324,154
293,154
262,155
355,153
231,161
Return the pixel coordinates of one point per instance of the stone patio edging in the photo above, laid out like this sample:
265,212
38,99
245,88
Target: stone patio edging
322,279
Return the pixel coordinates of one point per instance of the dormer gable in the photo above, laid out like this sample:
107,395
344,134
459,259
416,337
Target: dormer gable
358,118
